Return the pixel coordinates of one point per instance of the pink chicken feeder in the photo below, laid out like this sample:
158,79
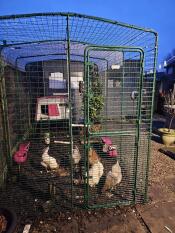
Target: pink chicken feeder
108,147
20,156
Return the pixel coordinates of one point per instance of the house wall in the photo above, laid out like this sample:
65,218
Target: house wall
120,84
171,68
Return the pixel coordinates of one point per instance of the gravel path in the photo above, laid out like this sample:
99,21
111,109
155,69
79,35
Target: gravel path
162,169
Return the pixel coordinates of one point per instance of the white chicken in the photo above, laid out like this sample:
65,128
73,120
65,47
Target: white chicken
48,161
113,177
95,173
76,155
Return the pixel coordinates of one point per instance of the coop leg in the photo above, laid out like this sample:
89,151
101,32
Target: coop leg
19,172
50,188
54,189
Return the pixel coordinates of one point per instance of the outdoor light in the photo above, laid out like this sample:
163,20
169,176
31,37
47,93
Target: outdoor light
115,67
165,63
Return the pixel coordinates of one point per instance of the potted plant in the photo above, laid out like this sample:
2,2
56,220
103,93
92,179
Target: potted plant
168,134
96,100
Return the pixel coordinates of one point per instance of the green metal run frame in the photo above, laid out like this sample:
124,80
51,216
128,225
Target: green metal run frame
70,104
89,45
152,111
70,14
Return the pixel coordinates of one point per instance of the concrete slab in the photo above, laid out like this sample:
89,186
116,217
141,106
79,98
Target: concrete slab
159,213
160,218
158,193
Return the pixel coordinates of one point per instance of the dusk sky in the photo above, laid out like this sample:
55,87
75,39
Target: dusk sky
156,14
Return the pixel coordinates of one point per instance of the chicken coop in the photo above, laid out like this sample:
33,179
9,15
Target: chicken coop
76,109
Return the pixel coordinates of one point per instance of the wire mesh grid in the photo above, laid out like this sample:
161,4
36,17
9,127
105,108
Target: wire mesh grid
77,108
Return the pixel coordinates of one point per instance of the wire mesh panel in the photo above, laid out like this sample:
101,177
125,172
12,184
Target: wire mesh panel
3,162
77,94
3,130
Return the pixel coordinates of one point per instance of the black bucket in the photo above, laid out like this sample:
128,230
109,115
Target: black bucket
10,218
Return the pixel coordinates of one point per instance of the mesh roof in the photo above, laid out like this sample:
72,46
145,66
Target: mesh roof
40,37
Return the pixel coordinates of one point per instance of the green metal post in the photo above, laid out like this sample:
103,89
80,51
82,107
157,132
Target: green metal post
70,105
152,109
122,102
86,149
106,86
139,118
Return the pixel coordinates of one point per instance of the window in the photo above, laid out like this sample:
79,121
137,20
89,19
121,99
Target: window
116,83
170,70
113,83
76,77
44,109
56,81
